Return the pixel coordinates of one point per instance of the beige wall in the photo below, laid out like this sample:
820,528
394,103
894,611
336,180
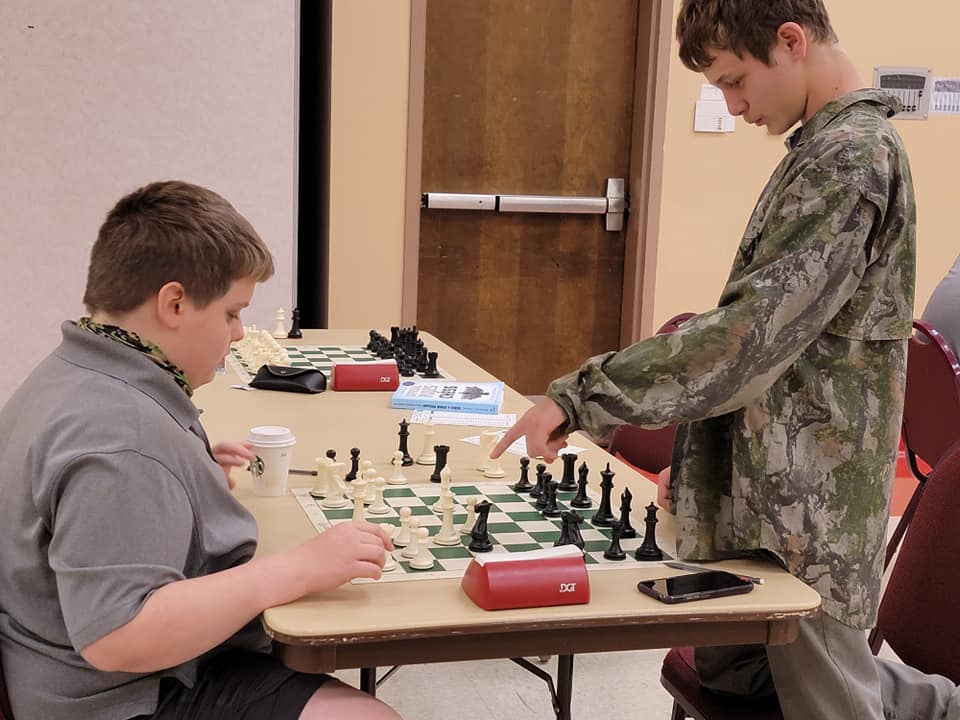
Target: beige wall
371,51
711,181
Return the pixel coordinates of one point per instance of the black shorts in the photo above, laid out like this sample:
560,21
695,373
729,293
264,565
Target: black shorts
239,685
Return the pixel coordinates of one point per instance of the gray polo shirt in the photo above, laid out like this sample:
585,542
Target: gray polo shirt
943,308
108,491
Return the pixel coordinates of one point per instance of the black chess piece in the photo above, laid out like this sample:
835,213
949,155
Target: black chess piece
295,333
441,452
582,500
404,434
567,482
573,529
604,515
649,550
543,497
551,509
431,371
332,454
537,490
354,464
564,538
480,540
615,552
523,485
627,530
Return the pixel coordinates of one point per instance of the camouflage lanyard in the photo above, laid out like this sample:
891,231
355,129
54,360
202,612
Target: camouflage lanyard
132,340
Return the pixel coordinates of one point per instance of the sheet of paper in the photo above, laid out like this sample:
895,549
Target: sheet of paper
519,447
441,417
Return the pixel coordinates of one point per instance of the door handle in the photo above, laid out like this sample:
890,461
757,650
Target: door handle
613,205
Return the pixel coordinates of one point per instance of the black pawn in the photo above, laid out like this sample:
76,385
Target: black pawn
582,500
537,490
354,464
404,434
627,530
332,454
431,371
551,509
295,327
480,540
649,550
615,552
523,485
604,515
543,497
567,482
441,452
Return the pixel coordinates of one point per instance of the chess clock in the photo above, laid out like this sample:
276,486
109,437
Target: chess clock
912,85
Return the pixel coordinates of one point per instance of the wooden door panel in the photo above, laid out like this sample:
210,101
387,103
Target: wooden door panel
524,97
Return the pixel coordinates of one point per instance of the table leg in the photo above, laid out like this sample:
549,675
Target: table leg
368,680
564,686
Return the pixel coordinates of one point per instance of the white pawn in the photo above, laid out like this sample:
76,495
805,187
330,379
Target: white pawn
446,479
424,558
371,493
397,477
389,561
280,331
471,518
358,492
427,455
378,506
401,538
320,489
447,534
411,550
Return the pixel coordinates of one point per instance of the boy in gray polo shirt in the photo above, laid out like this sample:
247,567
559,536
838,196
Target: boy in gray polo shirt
127,584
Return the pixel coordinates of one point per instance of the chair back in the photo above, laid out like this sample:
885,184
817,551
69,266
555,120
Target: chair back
931,407
917,615
648,450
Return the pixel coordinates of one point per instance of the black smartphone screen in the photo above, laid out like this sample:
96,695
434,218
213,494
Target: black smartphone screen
695,586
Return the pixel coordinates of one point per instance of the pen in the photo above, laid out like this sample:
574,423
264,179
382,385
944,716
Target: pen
294,471
699,568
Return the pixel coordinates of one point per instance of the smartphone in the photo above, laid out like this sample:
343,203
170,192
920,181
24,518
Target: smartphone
695,586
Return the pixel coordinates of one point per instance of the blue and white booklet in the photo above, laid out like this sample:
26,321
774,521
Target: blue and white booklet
470,397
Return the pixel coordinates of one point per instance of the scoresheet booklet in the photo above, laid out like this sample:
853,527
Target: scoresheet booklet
469,397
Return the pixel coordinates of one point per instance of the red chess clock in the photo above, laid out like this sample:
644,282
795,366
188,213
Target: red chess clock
537,578
379,375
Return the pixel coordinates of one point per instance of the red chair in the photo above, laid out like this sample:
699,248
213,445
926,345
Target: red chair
649,451
916,625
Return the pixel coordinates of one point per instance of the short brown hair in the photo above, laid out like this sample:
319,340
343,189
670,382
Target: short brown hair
171,231
707,26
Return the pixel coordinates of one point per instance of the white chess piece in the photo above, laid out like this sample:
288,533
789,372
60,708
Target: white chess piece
359,488
494,469
471,518
410,551
320,489
378,506
424,558
447,534
280,331
446,480
389,561
397,477
487,443
370,475
427,455
401,538
335,490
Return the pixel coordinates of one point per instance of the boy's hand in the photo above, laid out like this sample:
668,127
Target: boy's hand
663,489
232,454
341,553
542,426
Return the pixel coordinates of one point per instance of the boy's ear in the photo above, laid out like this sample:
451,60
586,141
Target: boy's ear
171,301
793,38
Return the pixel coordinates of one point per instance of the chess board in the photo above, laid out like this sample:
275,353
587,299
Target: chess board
514,525
321,357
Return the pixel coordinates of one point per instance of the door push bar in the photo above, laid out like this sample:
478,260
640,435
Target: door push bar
614,205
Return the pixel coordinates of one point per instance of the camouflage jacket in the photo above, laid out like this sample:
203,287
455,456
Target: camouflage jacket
793,386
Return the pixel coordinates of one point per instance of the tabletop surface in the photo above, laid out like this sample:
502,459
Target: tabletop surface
437,607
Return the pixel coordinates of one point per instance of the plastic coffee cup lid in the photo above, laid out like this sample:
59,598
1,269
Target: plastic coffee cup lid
271,436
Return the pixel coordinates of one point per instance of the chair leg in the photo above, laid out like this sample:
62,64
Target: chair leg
678,712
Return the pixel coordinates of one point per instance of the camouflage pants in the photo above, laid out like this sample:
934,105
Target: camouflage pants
829,673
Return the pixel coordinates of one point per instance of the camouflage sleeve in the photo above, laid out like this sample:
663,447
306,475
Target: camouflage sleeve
784,289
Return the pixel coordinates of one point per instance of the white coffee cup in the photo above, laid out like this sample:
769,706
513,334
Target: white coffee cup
274,446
